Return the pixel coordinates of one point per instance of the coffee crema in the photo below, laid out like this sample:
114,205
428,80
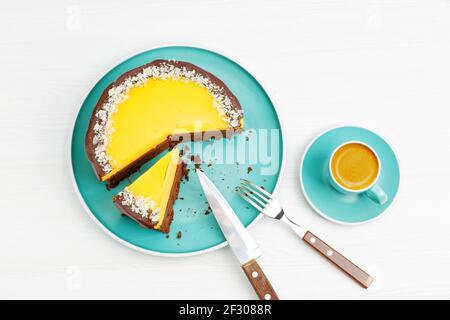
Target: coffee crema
354,166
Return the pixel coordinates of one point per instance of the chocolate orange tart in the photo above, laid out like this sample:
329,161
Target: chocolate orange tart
149,200
152,108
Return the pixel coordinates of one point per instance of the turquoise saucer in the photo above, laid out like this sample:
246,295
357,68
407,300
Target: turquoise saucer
324,199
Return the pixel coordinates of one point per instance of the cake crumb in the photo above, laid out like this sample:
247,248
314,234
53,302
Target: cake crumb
179,235
197,161
186,174
249,169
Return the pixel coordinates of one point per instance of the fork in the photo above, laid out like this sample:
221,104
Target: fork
267,205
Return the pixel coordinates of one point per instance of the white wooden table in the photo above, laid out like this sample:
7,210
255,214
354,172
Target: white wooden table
380,64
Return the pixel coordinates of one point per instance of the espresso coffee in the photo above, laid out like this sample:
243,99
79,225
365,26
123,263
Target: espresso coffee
354,166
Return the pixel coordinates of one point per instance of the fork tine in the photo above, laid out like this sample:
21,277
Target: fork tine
253,191
258,188
240,192
252,195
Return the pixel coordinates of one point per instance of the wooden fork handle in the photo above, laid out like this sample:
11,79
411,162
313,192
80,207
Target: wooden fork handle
259,281
339,260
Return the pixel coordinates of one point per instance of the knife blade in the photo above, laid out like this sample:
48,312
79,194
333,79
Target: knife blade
242,244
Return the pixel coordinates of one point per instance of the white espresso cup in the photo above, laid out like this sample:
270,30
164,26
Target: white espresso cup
354,168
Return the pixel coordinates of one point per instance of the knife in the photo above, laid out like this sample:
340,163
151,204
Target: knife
240,241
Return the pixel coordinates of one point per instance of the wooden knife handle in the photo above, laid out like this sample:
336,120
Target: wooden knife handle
259,281
339,260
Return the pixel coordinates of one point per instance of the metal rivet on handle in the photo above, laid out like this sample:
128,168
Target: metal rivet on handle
312,240
329,253
254,274
267,296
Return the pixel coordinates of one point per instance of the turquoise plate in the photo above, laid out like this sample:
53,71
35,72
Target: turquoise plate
324,199
199,230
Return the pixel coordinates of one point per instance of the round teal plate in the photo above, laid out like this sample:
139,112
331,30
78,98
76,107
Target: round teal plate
194,230
324,199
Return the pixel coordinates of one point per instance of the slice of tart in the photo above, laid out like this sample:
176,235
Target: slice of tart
149,200
148,109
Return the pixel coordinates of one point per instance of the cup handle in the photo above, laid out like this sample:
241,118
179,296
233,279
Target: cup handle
377,194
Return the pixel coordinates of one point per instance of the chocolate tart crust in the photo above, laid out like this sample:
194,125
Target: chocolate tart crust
170,142
168,217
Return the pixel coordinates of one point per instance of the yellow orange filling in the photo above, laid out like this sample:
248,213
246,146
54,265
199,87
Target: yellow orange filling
156,183
155,111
